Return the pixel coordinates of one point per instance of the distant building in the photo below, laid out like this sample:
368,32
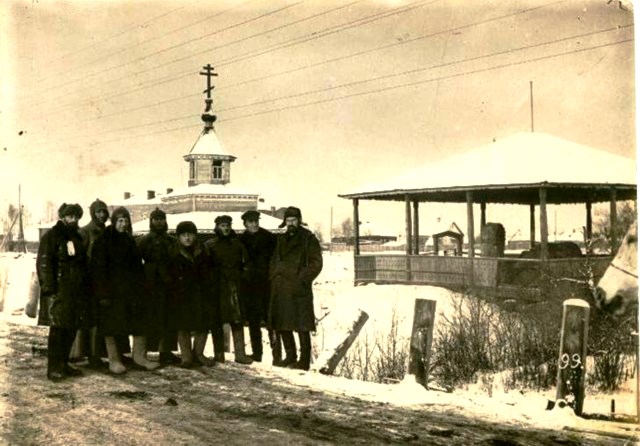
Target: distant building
208,193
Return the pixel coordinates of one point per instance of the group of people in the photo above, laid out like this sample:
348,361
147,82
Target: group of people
99,286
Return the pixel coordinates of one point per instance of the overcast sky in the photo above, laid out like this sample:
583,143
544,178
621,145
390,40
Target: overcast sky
312,97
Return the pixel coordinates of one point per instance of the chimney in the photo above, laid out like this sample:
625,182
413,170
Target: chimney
151,194
169,190
127,195
273,210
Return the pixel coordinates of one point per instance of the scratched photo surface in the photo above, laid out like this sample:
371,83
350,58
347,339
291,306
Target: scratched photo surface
316,104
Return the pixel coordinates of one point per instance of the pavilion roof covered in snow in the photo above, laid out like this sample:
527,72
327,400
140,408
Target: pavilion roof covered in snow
511,170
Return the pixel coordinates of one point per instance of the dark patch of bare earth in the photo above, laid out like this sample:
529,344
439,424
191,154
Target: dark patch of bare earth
227,404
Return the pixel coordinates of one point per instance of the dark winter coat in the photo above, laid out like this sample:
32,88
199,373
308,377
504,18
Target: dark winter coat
296,262
118,276
62,272
228,261
191,303
156,248
255,286
90,233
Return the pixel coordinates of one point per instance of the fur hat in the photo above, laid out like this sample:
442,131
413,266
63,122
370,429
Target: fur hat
70,209
118,213
158,213
291,211
186,226
223,219
251,216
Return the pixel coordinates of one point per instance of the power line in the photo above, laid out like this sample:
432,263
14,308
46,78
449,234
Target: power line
114,67
292,42
410,84
417,70
94,44
277,28
378,90
387,76
335,59
387,46
164,35
325,32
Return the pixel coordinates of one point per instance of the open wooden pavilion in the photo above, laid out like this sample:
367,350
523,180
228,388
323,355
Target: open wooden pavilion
530,169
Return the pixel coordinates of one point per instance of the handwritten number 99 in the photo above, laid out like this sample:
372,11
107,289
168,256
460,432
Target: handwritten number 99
565,362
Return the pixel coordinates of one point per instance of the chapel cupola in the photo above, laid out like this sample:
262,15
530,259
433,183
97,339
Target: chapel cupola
208,161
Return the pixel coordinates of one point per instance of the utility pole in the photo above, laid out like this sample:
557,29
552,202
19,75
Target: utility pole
331,231
22,246
531,102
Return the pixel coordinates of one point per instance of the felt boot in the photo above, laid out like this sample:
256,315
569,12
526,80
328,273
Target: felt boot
237,332
115,364
199,343
140,354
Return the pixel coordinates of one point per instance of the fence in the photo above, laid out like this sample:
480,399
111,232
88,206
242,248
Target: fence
502,274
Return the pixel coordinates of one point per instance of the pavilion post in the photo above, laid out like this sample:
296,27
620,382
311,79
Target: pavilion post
544,228
483,214
356,228
588,229
408,244
407,220
613,221
416,228
470,229
532,225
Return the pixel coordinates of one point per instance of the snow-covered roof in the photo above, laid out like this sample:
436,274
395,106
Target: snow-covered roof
205,221
209,144
140,199
516,162
211,189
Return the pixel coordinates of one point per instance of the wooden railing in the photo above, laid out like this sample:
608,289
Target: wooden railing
481,272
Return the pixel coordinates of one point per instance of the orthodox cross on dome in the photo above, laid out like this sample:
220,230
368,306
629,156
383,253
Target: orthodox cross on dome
208,117
209,73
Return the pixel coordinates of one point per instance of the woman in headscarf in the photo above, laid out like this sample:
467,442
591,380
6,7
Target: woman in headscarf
118,278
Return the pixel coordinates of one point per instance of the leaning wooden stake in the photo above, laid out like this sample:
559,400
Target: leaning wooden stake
421,338
573,354
338,353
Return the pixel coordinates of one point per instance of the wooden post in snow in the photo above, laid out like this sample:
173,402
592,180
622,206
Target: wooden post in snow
573,354
421,338
338,353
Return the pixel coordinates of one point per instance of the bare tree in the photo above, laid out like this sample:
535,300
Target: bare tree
347,227
317,231
626,214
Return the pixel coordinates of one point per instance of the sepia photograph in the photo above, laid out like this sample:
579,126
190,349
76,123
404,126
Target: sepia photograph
318,222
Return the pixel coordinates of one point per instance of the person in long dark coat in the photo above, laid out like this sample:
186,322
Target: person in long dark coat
155,248
228,259
190,306
118,278
255,289
87,343
296,262
61,266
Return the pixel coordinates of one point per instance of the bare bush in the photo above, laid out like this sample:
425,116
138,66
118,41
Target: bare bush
381,357
611,345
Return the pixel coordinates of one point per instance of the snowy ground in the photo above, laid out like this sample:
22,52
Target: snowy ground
337,303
